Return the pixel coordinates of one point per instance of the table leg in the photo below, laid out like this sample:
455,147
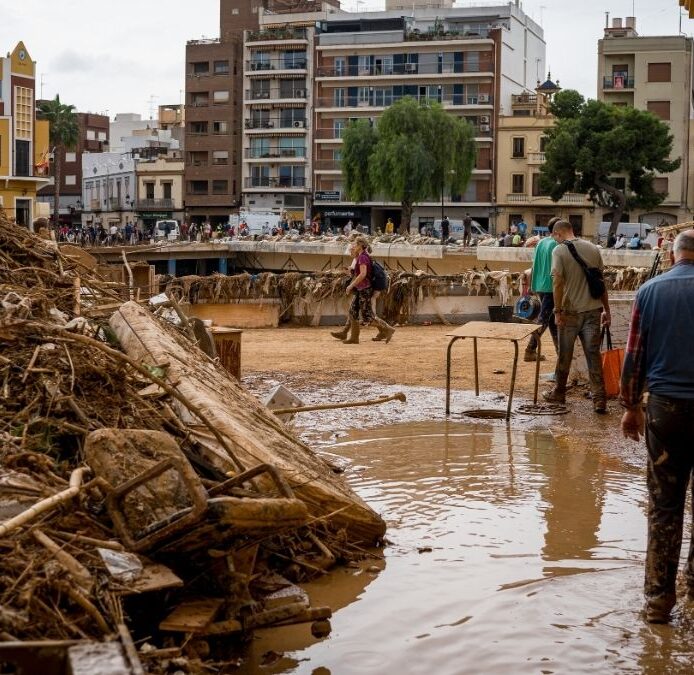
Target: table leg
448,376
477,370
537,368
513,380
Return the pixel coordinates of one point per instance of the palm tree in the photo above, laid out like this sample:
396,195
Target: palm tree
64,133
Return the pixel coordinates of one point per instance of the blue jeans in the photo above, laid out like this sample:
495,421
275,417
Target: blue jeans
586,327
546,320
669,433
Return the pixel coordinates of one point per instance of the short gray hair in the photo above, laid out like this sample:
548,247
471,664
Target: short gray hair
684,242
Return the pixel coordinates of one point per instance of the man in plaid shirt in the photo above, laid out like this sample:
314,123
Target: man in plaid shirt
662,325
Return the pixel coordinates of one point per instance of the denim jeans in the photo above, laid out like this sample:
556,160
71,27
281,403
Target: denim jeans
669,434
546,320
586,327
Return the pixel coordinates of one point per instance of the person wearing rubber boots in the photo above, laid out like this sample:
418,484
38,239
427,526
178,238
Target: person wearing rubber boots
656,359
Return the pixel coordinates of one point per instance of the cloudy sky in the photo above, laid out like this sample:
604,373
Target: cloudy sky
128,55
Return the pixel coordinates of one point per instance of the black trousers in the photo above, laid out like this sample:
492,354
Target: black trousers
670,442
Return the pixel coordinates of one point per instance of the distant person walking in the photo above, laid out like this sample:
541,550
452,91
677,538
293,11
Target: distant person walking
656,359
362,292
445,230
390,226
467,230
577,313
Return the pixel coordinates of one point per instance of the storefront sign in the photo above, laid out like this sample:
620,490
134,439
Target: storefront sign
327,196
339,213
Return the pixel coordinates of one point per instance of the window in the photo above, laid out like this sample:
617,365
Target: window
292,146
200,68
291,88
91,135
660,185
221,67
70,157
220,187
518,147
166,188
291,176
235,10
339,98
338,128
260,147
659,109
472,62
101,135
518,183
620,182
220,128
537,190
72,180
198,128
364,96
659,72
293,117
220,96
577,224
220,157
197,187
149,190
543,143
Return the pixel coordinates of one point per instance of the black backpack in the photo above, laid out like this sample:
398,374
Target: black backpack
379,277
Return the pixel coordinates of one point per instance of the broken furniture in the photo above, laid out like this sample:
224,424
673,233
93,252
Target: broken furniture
488,330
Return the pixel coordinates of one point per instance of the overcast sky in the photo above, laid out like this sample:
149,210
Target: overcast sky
127,55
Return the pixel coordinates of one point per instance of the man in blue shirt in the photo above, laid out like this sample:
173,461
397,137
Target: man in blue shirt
662,326
541,283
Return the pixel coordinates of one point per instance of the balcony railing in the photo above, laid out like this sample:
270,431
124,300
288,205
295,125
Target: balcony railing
277,64
617,82
200,103
274,153
385,101
275,123
431,35
274,182
404,69
252,94
276,34
522,198
145,204
328,165
536,158
524,99
481,130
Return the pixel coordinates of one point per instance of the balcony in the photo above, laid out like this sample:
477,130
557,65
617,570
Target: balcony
435,35
259,95
327,165
329,134
617,82
568,198
274,153
154,204
524,99
276,64
276,34
274,182
380,101
275,123
536,158
400,69
199,103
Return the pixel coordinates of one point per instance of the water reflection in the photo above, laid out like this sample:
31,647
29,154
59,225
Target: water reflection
535,561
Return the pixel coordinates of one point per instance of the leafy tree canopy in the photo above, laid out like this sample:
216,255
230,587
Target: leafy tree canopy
589,147
567,103
414,152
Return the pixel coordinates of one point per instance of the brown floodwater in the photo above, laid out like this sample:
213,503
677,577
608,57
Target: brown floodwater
510,552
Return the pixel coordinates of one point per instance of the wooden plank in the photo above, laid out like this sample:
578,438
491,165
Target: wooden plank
154,577
492,330
192,616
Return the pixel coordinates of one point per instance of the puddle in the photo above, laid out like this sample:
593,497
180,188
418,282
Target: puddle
511,551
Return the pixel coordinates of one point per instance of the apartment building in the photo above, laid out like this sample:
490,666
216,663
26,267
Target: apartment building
93,137
159,191
471,60
109,189
652,73
521,152
24,141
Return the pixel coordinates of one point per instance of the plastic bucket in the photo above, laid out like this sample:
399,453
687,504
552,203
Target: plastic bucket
501,313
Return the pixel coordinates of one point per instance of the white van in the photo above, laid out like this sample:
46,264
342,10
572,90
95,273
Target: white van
457,230
628,230
160,230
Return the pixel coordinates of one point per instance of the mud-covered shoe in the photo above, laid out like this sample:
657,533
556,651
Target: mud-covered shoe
600,406
554,396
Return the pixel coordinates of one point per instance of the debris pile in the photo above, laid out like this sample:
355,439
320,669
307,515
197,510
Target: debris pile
145,497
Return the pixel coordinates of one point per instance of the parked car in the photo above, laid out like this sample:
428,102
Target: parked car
458,231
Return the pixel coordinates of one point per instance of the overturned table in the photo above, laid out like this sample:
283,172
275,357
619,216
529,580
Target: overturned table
489,330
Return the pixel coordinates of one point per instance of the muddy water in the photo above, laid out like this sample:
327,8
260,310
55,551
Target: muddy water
511,551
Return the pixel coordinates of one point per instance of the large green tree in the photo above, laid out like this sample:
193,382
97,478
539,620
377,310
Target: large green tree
413,154
594,142
64,133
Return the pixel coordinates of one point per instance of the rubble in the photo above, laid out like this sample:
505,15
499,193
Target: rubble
144,494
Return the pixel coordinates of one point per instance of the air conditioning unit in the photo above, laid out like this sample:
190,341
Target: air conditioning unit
484,119
410,67
483,98
485,127
300,93
299,124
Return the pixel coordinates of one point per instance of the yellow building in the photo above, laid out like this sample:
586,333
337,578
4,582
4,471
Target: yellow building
24,141
520,154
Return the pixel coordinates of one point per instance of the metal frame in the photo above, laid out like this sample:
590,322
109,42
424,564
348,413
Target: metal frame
515,340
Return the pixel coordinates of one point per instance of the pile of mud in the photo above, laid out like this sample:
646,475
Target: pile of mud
145,497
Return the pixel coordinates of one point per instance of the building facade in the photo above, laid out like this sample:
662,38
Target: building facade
24,140
470,60
652,73
159,193
93,137
109,190
520,155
